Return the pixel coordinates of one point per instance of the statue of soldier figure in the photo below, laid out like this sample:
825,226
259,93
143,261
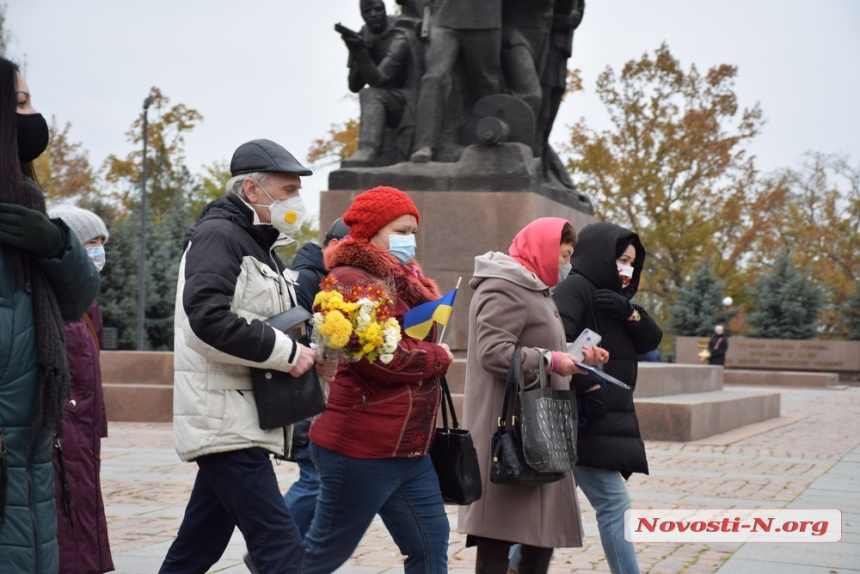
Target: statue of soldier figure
471,28
567,15
516,47
382,65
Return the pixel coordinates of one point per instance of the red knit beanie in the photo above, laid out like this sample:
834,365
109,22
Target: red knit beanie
375,208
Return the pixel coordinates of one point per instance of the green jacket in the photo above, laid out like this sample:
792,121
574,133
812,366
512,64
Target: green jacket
28,535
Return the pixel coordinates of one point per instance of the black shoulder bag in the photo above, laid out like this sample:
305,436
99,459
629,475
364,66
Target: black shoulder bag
281,398
455,458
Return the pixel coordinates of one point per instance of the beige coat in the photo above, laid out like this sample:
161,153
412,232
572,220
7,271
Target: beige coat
511,305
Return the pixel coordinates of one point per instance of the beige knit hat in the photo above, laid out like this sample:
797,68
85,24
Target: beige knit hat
85,224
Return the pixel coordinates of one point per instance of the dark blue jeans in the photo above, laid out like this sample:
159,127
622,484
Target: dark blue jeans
403,491
237,488
301,498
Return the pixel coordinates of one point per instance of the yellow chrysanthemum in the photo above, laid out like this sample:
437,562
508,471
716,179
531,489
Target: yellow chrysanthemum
326,300
337,329
371,338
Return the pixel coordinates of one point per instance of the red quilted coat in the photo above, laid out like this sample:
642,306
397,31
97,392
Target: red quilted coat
83,541
377,410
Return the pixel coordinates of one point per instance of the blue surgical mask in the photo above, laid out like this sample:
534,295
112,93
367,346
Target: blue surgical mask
402,247
563,271
97,255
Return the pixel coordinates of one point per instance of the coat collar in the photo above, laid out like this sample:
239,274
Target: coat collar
412,286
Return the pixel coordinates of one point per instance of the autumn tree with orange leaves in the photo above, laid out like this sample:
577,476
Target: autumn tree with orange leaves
674,168
64,170
167,175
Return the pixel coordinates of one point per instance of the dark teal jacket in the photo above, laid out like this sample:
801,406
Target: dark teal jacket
28,535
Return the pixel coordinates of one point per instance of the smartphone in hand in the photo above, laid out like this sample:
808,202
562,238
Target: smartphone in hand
587,337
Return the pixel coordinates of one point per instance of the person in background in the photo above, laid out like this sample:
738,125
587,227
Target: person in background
717,346
371,445
46,278
301,498
231,281
512,306
81,521
652,356
606,268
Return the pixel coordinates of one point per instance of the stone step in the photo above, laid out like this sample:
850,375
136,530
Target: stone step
138,403
693,416
664,379
780,378
137,367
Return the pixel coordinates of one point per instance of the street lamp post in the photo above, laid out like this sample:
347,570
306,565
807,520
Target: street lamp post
141,283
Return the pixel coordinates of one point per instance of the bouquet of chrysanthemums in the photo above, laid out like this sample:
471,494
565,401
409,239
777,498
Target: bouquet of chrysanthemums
354,321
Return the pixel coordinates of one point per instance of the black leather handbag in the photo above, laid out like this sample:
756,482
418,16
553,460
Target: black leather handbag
508,461
455,458
281,398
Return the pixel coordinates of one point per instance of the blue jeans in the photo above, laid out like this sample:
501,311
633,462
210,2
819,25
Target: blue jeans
403,491
236,488
606,492
301,498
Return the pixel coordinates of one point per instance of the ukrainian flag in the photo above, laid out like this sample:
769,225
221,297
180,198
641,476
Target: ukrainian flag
418,321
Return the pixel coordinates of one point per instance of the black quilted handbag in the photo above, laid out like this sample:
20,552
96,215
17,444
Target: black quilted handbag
455,458
509,463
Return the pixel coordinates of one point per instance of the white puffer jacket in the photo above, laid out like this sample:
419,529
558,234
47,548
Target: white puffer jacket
229,283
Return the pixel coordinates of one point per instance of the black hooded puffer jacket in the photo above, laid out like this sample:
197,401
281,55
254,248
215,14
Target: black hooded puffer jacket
612,441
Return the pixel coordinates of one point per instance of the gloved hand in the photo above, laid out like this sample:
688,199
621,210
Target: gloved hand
28,229
613,303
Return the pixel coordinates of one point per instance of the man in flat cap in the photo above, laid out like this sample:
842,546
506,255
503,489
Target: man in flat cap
230,282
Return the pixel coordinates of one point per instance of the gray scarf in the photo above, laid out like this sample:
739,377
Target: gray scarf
53,369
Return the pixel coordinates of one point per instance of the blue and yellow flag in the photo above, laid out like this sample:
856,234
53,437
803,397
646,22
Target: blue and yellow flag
418,321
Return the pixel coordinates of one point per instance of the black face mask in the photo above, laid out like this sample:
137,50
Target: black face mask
32,136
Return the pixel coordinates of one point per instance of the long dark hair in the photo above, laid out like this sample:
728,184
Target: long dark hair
11,174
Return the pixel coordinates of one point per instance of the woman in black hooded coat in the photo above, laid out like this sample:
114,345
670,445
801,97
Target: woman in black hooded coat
596,295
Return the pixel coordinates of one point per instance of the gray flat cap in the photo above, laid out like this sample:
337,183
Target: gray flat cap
265,156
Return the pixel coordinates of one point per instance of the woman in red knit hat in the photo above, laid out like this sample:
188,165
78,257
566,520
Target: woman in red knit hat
371,444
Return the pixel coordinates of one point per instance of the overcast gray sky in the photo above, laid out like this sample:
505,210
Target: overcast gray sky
276,69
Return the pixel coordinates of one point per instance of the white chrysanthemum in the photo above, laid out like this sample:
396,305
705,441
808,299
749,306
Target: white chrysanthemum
391,336
317,319
386,358
365,313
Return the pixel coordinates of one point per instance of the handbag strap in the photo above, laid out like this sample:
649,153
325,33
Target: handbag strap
447,403
542,381
513,383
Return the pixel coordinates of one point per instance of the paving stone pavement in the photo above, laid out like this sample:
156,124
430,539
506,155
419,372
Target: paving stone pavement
807,458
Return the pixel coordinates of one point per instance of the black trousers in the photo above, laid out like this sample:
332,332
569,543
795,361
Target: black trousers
237,488
493,558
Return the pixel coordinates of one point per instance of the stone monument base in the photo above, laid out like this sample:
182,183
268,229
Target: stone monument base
499,168
455,227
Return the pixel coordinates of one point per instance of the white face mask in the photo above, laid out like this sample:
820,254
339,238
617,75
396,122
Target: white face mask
287,214
626,272
97,256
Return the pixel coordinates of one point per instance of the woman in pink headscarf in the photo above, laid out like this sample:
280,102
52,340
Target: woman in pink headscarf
512,306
